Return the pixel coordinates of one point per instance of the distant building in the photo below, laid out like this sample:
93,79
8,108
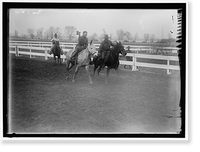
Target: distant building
170,40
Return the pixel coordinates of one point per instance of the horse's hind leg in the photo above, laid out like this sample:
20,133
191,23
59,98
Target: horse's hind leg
98,71
95,67
54,61
75,73
59,60
107,74
87,70
117,74
68,67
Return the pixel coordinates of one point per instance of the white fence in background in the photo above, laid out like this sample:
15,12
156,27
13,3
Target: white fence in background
136,64
134,48
17,48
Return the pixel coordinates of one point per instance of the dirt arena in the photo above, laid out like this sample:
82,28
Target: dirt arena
43,101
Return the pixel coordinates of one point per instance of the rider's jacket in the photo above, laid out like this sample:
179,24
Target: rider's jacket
83,41
105,45
55,41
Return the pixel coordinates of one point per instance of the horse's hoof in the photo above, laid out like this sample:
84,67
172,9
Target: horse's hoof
91,82
73,81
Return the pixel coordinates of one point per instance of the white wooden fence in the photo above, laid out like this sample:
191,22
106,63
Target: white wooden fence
134,48
136,64
43,48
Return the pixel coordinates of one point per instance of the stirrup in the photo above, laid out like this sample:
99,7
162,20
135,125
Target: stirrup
72,59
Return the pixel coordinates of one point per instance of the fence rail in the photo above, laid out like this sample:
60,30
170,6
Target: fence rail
19,49
133,48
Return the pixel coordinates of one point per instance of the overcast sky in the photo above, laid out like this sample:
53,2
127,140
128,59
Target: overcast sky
141,21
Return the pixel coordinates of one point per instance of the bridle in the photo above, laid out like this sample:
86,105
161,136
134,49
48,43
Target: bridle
112,55
89,50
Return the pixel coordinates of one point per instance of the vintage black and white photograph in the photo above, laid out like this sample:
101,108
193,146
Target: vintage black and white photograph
98,70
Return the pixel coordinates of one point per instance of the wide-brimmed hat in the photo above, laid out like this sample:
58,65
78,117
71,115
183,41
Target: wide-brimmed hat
106,36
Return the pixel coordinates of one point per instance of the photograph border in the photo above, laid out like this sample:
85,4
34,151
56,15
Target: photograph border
43,5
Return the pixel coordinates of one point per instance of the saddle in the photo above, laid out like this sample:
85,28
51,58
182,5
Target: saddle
104,55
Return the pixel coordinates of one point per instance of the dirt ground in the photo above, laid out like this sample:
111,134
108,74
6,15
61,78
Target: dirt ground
43,101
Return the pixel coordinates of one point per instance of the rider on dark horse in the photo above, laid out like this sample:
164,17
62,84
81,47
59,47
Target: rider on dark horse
82,44
55,43
104,49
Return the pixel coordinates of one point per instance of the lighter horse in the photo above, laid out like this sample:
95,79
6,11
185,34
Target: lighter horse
83,60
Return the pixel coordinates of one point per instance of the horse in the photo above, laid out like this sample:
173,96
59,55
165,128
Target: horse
57,52
112,60
83,60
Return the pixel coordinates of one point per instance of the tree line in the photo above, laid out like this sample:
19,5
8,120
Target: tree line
69,33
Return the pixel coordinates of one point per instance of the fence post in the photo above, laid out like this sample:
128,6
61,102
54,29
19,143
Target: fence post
63,54
45,51
16,51
168,70
134,67
30,53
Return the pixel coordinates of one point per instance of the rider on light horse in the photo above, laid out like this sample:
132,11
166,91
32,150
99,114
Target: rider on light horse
82,44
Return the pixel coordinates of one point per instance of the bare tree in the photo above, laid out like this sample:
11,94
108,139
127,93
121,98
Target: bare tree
111,36
16,34
120,34
39,33
46,34
136,37
152,38
94,36
58,31
128,35
104,31
70,32
146,37
51,32
30,31
103,34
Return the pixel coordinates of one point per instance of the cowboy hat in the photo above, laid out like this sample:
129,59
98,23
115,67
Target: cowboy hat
106,36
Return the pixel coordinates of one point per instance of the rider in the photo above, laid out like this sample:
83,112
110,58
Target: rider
55,42
104,48
82,44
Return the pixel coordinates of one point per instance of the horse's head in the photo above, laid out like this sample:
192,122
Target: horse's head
120,48
91,47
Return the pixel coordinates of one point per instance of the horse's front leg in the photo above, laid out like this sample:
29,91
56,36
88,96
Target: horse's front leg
54,60
95,67
67,69
59,60
88,73
69,65
75,73
98,71
107,74
117,73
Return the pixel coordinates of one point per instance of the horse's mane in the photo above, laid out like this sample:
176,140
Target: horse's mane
118,44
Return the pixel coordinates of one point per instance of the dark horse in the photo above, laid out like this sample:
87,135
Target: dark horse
57,52
112,59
